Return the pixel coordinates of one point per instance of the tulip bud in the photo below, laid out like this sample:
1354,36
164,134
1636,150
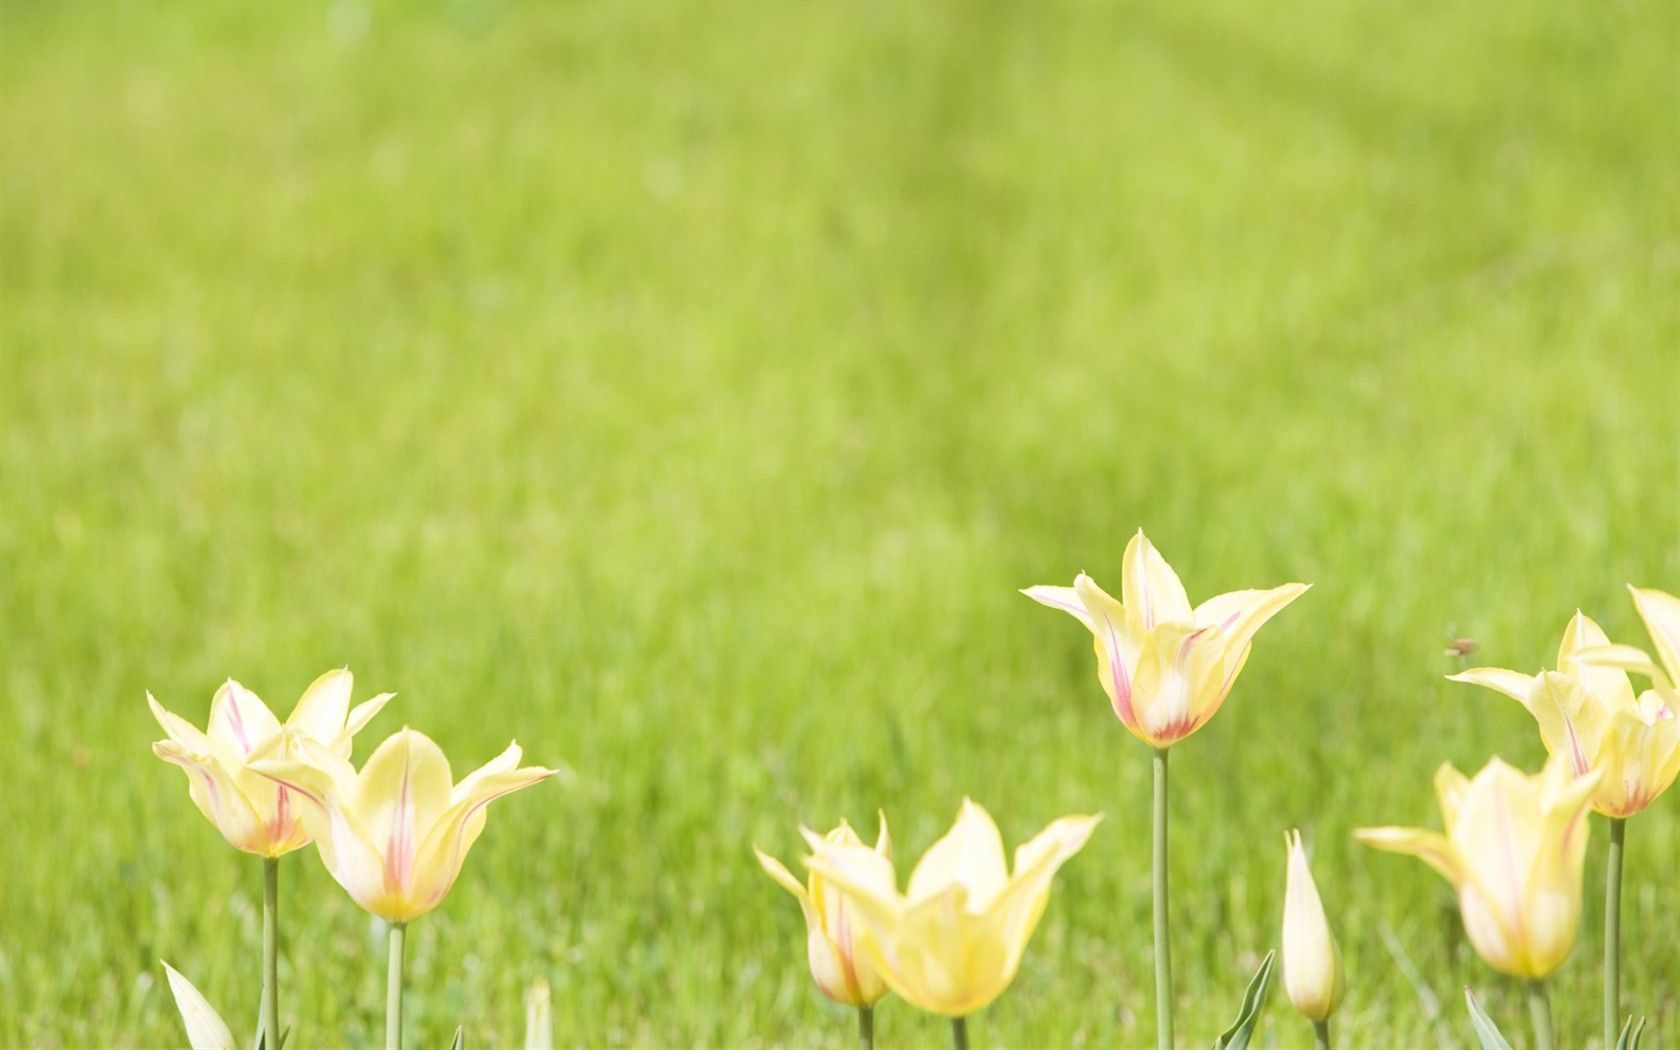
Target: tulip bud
1312,965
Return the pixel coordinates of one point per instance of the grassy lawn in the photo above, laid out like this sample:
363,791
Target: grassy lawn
686,390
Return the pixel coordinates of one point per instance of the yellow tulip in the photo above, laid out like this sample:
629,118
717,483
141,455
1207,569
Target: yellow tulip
1166,667
1513,849
1312,964
395,834
253,813
840,967
1588,713
952,942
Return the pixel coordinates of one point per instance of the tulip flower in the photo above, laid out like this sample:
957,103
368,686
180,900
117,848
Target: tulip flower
1312,964
1587,712
838,964
1513,849
252,812
952,942
1167,669
395,834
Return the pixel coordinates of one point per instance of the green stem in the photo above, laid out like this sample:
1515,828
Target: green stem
1540,1012
268,1021
1613,934
1321,1034
959,1033
1163,949
866,1027
393,990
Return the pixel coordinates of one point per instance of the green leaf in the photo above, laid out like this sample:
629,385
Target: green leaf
1486,1030
1237,1036
1629,1039
460,1037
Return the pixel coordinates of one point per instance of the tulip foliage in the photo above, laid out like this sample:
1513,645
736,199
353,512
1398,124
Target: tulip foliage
395,833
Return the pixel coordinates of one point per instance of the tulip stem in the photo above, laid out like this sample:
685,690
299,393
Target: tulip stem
1613,933
1163,949
1540,1011
393,990
959,1033
268,1018
1321,1034
866,1027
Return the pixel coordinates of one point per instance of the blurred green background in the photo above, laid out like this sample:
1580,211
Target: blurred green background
686,389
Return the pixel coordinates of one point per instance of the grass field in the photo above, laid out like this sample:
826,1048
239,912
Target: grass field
687,389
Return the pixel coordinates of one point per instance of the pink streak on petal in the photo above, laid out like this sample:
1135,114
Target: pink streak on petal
399,848
1117,674
236,723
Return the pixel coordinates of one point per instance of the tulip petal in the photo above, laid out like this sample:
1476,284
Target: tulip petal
1432,847
947,963
1117,645
1019,907
1063,598
219,797
239,718
1661,613
205,1028
856,870
1629,658
784,878
1609,683
321,710
506,761
1571,719
439,857
180,730
1513,684
969,855
1149,588
398,796
1239,615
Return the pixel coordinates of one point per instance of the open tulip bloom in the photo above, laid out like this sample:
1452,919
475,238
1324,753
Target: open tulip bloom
252,812
1513,848
1167,669
1588,713
951,943
395,834
833,942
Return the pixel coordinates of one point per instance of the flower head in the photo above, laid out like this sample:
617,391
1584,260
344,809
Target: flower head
833,941
1312,964
1166,667
394,835
951,943
1513,849
253,813
1588,713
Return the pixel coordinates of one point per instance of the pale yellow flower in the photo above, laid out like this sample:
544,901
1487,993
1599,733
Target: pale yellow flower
252,812
953,941
833,940
1588,713
395,834
1312,964
1513,849
1167,668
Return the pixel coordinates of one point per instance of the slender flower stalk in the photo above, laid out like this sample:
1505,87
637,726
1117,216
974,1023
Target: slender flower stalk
959,1033
1540,1013
1163,940
393,988
268,1025
1321,1034
1613,933
866,1027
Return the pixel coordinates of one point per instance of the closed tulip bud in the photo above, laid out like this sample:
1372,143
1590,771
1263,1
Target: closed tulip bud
833,940
1167,668
1513,848
205,1028
1312,964
953,941
252,812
